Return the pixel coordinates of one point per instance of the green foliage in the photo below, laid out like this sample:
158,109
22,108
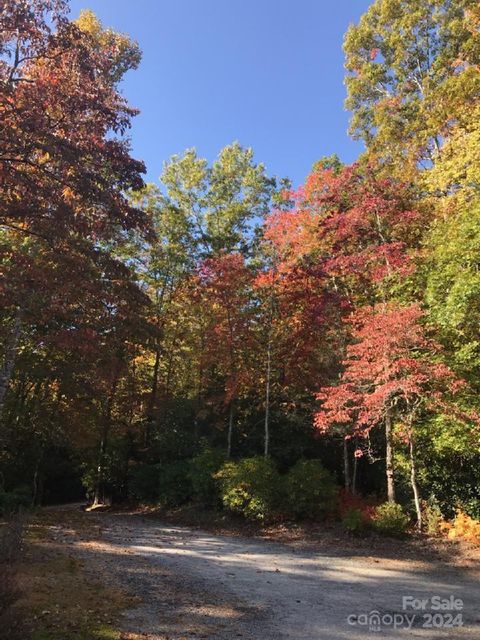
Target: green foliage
251,487
11,535
353,521
203,468
218,205
433,517
453,285
174,483
310,489
113,469
390,519
15,500
144,482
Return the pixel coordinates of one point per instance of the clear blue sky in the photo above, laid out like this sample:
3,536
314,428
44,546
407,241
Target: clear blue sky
268,73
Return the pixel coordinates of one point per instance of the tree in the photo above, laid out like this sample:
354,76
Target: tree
225,282
222,203
409,61
202,213
64,164
390,372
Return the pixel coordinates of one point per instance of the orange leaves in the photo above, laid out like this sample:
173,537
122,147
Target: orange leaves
462,527
389,363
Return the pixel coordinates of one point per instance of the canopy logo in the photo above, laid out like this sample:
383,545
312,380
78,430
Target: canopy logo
432,612
375,621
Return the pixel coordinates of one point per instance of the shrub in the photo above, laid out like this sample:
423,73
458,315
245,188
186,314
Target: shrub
251,487
432,517
354,521
175,484
11,535
203,468
348,500
390,519
13,501
144,482
310,489
462,527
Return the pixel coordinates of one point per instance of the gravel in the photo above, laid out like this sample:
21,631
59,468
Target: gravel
193,584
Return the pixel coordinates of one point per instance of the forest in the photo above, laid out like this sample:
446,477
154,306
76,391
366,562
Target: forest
221,337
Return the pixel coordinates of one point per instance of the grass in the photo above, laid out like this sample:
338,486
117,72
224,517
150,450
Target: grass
59,600
101,633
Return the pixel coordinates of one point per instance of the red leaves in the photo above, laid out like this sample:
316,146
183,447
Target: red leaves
61,170
357,226
390,363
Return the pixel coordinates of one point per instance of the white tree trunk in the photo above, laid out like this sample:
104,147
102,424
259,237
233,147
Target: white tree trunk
413,481
389,458
267,401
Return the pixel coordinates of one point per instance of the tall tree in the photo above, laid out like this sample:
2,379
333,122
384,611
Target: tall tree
64,163
390,372
409,61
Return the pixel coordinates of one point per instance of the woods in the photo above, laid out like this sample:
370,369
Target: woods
222,336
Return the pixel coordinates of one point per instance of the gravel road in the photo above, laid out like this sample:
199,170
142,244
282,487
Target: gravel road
194,584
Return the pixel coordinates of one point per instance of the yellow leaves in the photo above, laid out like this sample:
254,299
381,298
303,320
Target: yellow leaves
43,158
456,172
88,22
68,195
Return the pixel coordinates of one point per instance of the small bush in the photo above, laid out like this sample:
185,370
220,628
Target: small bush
354,521
11,535
203,468
13,501
251,487
390,519
348,500
432,517
310,489
462,527
144,482
174,483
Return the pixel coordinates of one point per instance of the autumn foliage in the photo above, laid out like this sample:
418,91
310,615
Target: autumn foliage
330,328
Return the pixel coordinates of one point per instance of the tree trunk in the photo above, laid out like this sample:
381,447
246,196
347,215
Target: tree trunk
354,477
152,399
267,401
36,486
346,466
9,358
390,471
99,496
413,481
230,431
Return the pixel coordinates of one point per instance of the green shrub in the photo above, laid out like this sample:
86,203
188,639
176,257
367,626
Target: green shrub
251,487
15,500
432,517
11,538
390,519
310,489
353,521
203,468
144,482
174,483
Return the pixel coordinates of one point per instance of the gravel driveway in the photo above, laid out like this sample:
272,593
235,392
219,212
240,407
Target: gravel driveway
198,585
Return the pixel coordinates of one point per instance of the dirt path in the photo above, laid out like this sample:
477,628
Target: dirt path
198,585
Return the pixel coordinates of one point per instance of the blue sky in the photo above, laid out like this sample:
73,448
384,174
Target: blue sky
268,73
